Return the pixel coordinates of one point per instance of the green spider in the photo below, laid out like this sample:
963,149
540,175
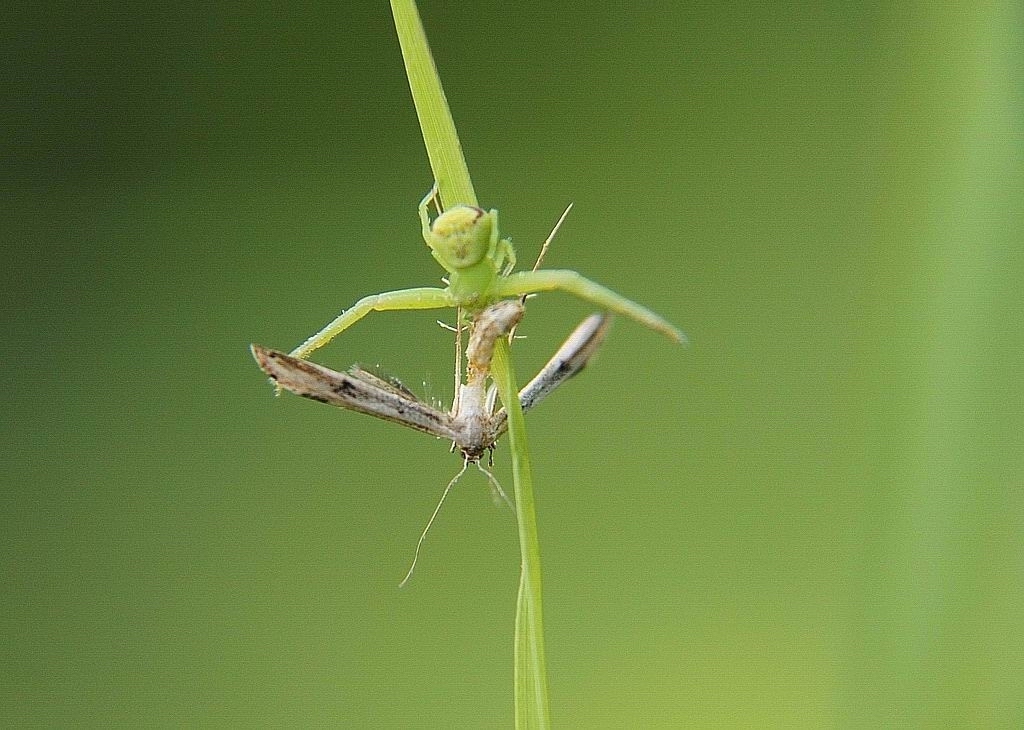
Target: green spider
466,241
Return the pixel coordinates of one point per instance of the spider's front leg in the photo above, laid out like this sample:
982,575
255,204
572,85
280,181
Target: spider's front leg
424,211
426,297
530,282
504,257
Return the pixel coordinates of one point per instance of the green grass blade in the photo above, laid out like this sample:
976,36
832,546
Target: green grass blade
455,186
442,141
531,685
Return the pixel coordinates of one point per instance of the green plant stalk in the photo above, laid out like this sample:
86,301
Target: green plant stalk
439,136
531,690
455,186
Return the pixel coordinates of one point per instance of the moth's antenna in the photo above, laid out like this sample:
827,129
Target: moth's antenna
495,485
551,236
540,257
423,535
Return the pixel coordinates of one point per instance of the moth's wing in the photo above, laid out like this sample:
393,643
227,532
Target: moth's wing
355,392
384,383
570,359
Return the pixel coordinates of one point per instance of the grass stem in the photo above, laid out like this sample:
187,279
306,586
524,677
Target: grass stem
455,186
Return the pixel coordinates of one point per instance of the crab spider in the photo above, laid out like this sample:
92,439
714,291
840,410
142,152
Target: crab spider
467,243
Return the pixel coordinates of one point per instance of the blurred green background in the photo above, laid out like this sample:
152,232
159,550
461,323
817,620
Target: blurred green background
812,517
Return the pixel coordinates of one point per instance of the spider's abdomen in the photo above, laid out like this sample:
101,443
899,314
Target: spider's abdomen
461,236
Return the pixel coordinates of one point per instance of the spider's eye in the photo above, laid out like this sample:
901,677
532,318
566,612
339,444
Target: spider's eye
461,236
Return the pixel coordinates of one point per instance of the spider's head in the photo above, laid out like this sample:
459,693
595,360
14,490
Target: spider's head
461,237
